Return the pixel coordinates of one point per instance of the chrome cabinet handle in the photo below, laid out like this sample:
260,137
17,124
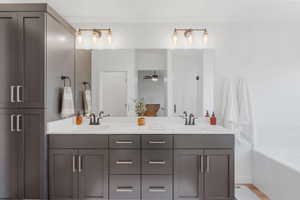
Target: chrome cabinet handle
74,163
157,189
19,100
12,127
156,162
19,117
124,162
157,142
207,164
125,189
12,94
124,142
79,164
201,164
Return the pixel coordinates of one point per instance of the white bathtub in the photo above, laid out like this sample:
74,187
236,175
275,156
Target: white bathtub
276,172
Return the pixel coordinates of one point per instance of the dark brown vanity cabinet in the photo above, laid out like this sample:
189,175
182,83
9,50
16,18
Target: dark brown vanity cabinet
78,174
8,58
20,137
204,173
142,167
22,53
11,152
23,107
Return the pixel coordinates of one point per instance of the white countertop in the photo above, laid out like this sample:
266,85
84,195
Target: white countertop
127,125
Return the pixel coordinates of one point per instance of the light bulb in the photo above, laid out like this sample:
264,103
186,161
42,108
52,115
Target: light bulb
79,37
175,38
205,37
109,36
189,36
96,36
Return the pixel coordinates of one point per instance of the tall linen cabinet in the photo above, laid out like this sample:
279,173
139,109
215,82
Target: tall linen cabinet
30,34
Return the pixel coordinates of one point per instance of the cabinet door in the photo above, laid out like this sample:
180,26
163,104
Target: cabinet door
219,178
31,60
35,154
93,174
10,157
8,58
188,175
63,176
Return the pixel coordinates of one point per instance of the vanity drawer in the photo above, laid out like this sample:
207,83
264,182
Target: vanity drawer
124,141
157,141
124,187
125,161
82,141
157,161
156,187
218,141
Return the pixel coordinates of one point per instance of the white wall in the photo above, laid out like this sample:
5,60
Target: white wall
266,54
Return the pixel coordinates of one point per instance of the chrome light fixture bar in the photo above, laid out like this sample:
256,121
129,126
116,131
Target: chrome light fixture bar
96,34
188,34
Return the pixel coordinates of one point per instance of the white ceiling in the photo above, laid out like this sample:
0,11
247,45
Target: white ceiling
173,11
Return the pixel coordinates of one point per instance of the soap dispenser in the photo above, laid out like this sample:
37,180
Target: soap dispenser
213,119
79,119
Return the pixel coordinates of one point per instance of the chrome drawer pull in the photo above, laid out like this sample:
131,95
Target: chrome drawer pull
12,127
74,163
157,142
207,164
125,189
19,100
157,162
124,142
201,164
158,189
19,117
79,164
124,162
12,94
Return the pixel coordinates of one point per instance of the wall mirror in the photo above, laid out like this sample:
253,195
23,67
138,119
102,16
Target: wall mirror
169,81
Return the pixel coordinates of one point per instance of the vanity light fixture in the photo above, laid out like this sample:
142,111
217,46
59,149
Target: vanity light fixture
188,34
96,34
205,36
175,37
109,36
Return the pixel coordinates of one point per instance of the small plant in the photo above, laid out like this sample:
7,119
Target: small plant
140,107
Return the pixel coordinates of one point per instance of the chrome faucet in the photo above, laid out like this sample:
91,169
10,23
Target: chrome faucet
94,120
102,115
185,117
191,119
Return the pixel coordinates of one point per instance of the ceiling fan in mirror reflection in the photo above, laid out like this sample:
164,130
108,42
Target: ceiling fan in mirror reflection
154,77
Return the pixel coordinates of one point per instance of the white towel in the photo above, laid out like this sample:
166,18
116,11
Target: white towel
245,112
229,107
87,101
67,107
